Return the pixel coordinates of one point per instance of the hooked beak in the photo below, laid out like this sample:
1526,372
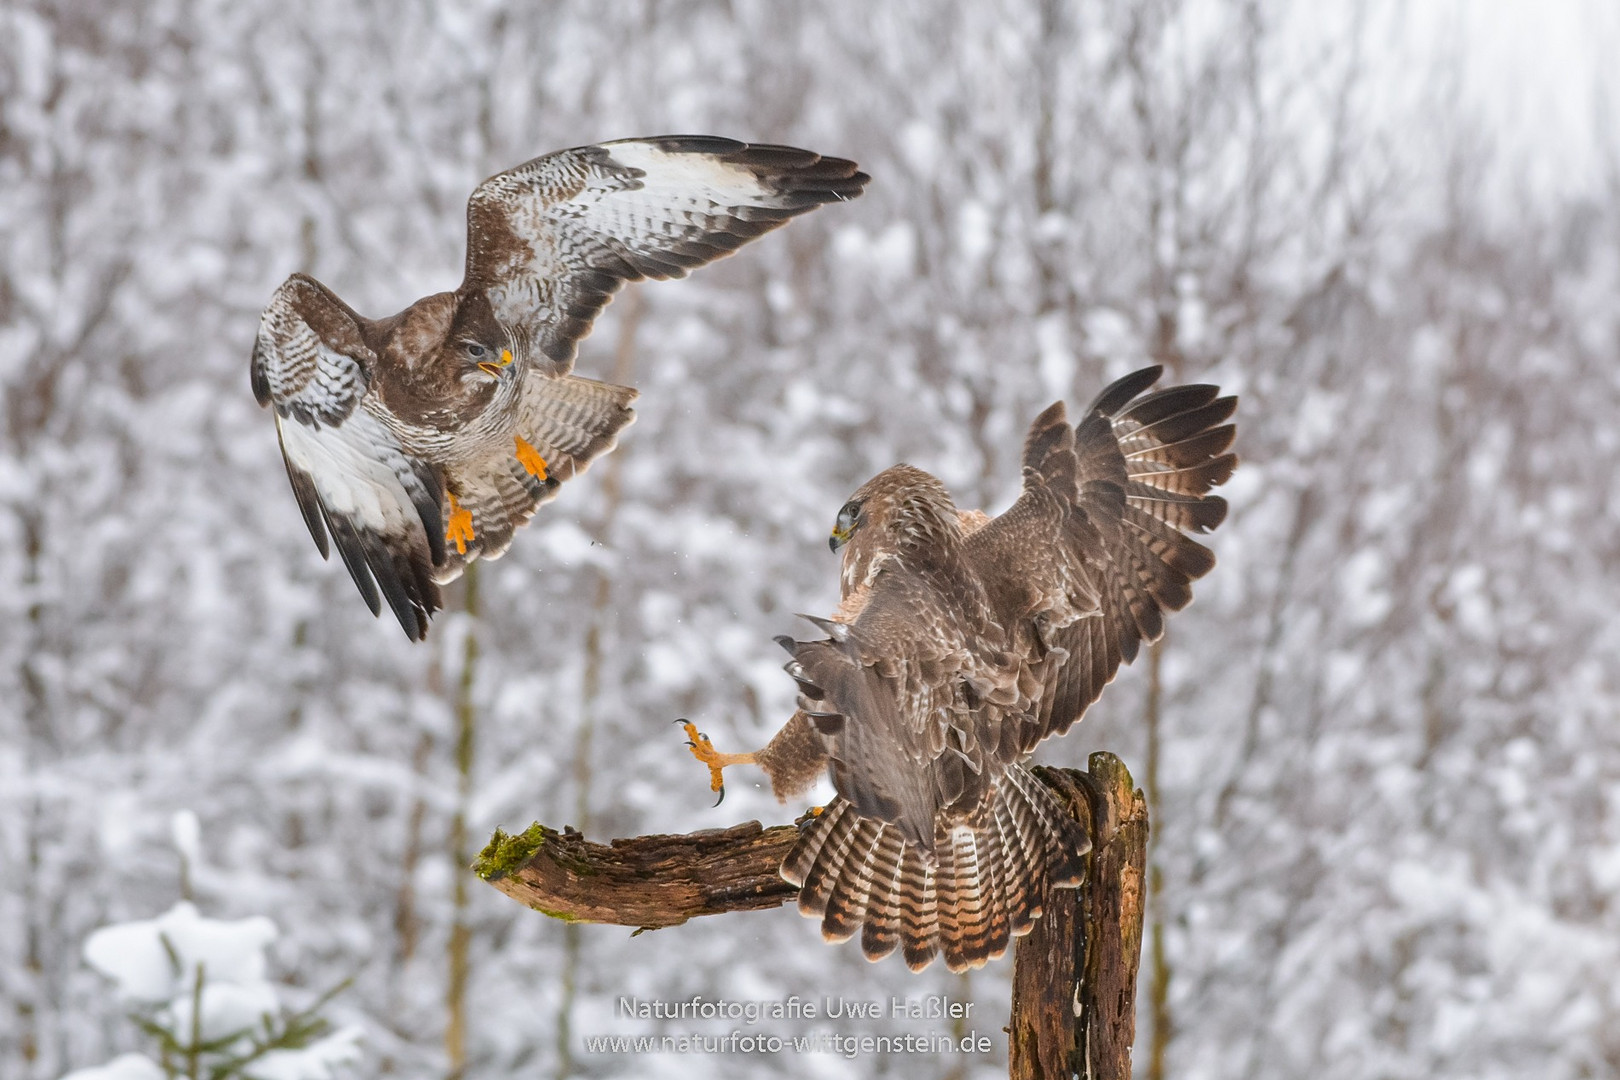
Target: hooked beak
838,539
493,368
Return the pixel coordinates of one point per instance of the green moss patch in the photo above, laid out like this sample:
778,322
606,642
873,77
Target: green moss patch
505,853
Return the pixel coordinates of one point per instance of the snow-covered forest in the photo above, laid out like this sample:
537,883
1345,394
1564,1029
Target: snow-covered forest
1382,748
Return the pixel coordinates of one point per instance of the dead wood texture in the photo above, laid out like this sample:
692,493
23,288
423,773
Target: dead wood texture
646,881
1074,975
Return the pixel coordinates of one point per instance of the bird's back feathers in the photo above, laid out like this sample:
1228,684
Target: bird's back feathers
964,652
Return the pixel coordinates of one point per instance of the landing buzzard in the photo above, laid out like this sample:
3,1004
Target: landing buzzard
963,641
421,441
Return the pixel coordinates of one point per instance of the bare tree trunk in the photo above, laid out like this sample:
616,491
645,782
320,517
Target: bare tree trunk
623,372
455,1031
1159,988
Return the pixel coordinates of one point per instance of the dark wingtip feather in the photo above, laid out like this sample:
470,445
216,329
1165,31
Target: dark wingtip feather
1129,644
377,572
1055,413
1169,421
807,178
694,144
1048,433
354,559
1117,394
1173,401
309,504
395,585
428,501
257,376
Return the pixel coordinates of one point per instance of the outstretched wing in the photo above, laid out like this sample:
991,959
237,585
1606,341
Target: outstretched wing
353,479
1108,508
551,241
1079,572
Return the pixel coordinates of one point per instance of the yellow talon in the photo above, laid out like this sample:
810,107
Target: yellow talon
530,458
810,814
460,529
705,752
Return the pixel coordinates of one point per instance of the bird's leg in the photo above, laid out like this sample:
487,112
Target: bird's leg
705,752
459,529
530,458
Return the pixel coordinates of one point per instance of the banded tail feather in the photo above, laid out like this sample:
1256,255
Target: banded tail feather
985,885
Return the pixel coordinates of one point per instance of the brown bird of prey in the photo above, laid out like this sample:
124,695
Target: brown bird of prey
961,642
419,442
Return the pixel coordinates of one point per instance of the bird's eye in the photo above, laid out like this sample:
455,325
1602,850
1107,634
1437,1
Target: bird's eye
475,350
848,518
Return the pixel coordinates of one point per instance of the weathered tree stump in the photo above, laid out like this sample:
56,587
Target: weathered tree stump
1074,974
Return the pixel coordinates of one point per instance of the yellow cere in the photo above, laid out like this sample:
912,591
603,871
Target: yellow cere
460,529
530,458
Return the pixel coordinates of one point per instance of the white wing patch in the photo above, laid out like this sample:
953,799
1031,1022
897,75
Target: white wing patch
679,196
685,172
356,469
354,482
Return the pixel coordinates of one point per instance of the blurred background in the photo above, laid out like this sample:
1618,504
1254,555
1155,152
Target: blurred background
1382,748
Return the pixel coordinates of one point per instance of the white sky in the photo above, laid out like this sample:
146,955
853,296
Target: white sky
1545,74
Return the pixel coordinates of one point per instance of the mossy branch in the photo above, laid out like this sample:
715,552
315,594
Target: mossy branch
647,881
1085,949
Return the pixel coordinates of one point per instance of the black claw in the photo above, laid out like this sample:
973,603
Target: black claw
721,799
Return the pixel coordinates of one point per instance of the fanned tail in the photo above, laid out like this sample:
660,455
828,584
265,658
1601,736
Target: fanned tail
985,886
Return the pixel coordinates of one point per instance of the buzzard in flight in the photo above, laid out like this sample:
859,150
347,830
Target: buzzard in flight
961,642
420,442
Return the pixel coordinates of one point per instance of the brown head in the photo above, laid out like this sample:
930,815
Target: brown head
902,511
451,352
